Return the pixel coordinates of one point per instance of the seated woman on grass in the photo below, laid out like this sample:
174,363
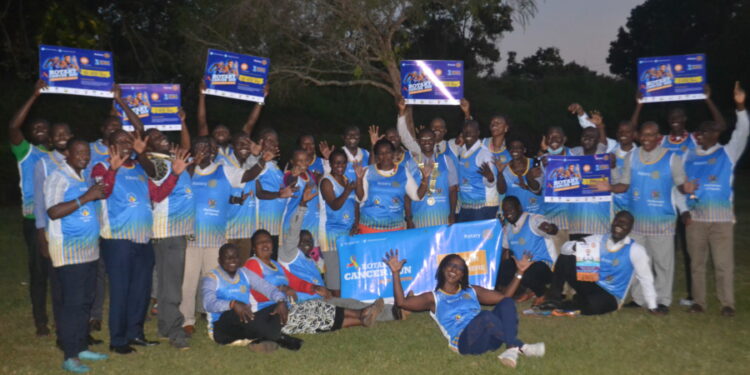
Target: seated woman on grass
312,315
455,306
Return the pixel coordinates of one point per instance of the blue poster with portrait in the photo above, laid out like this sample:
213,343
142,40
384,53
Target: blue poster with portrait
672,78
236,76
435,82
76,71
570,179
157,105
365,277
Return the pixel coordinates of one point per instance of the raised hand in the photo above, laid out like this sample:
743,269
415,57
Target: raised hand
325,150
255,148
266,90
596,118
115,159
391,260
202,86
707,91
271,153
575,109
139,142
117,91
359,170
638,96
465,106
524,263
181,114
427,170
401,104
500,165
309,193
288,191
39,86
180,161
739,93
374,137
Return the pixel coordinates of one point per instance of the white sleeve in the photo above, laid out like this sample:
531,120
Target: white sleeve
406,138
611,144
738,141
584,121
678,170
536,221
679,200
507,227
365,186
453,146
411,187
234,175
642,266
54,190
568,248
452,173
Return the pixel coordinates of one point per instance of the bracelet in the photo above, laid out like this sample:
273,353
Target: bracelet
78,202
519,276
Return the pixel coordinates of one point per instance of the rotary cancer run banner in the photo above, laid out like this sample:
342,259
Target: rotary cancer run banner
432,81
76,71
672,78
157,105
569,179
365,277
236,76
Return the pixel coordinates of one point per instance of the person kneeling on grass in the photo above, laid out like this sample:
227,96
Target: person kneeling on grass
600,269
307,314
455,306
233,315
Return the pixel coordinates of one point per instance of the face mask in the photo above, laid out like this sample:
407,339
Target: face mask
557,151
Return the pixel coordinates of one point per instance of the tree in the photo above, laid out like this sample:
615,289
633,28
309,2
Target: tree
544,62
360,42
671,27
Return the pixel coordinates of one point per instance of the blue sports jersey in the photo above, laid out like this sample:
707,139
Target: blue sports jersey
349,171
73,239
338,222
714,199
453,312
679,148
271,211
526,241
26,181
317,166
311,221
530,202
472,193
651,196
383,208
305,268
211,190
503,155
175,215
434,208
615,269
126,214
242,218
274,275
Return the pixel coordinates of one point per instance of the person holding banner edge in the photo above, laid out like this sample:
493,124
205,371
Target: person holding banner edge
455,306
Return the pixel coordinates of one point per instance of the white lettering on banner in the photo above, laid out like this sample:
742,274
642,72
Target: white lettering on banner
372,271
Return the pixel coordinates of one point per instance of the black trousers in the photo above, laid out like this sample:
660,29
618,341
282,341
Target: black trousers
38,274
536,277
77,285
264,326
680,244
590,298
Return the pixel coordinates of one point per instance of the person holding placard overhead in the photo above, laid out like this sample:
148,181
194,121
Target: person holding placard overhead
711,228
27,153
382,189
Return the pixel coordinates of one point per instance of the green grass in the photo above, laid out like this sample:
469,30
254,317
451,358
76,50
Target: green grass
625,342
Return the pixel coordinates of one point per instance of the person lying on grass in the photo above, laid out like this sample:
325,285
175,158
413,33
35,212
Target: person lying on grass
311,315
455,306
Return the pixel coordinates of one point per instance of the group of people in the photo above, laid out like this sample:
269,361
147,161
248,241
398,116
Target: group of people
215,222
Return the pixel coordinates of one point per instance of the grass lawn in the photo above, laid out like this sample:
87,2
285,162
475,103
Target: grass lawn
625,342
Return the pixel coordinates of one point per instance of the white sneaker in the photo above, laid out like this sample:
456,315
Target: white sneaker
509,357
686,302
533,350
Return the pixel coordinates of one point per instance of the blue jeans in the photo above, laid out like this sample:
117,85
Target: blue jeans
490,329
77,283
130,266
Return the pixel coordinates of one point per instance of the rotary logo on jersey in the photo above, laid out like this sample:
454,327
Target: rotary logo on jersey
212,183
655,175
211,203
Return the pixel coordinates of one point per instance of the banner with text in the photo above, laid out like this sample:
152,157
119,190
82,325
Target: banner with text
672,78
432,81
572,178
365,277
236,76
76,71
157,105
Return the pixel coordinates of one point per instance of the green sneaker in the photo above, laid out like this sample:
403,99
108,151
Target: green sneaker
74,365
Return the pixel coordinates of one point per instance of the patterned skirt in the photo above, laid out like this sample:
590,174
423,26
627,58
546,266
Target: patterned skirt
311,316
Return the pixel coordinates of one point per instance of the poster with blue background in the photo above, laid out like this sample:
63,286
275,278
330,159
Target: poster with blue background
365,277
672,78
157,105
76,71
435,82
236,76
569,179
